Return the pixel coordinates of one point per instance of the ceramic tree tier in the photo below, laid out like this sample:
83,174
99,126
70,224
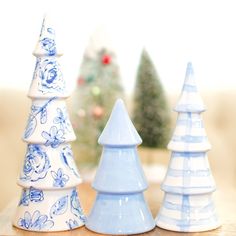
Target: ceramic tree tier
120,207
188,184
49,210
187,213
46,167
189,134
49,177
49,123
189,173
48,79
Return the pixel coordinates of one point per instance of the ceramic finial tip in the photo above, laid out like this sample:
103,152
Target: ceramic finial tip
119,102
189,76
190,100
46,21
119,130
189,70
119,107
189,64
46,45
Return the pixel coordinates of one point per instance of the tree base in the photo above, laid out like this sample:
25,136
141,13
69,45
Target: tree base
120,214
49,210
187,213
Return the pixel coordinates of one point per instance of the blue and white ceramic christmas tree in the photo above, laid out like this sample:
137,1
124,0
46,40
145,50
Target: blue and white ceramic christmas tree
49,200
188,185
120,207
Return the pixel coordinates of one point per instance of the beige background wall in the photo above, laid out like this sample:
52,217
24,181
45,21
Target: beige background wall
14,108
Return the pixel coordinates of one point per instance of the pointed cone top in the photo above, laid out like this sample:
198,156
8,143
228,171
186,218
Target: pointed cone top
119,130
46,45
190,100
189,78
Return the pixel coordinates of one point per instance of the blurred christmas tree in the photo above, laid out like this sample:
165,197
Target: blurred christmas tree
98,86
151,113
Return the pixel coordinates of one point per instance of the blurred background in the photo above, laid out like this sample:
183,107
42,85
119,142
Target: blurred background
122,49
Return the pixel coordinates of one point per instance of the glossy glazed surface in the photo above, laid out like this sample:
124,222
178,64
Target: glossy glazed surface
120,214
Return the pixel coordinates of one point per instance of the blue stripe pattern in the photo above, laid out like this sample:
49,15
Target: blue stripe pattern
188,154
194,108
188,190
189,88
185,225
189,139
187,208
189,122
188,173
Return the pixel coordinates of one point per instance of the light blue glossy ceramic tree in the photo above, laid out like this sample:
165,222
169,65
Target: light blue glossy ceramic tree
188,185
120,207
49,177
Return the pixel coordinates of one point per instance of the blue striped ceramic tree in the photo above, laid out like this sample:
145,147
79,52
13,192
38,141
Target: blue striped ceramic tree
188,185
120,207
49,200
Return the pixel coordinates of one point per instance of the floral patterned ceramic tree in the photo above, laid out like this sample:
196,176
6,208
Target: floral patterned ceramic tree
49,200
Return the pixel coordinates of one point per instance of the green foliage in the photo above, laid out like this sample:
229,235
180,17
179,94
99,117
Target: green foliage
151,113
98,87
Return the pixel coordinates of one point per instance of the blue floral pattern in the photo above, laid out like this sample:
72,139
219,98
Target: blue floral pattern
36,164
47,71
35,195
47,41
51,78
76,208
59,207
36,68
67,159
62,119
72,224
32,121
31,195
31,125
35,222
60,179
24,198
49,46
54,138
